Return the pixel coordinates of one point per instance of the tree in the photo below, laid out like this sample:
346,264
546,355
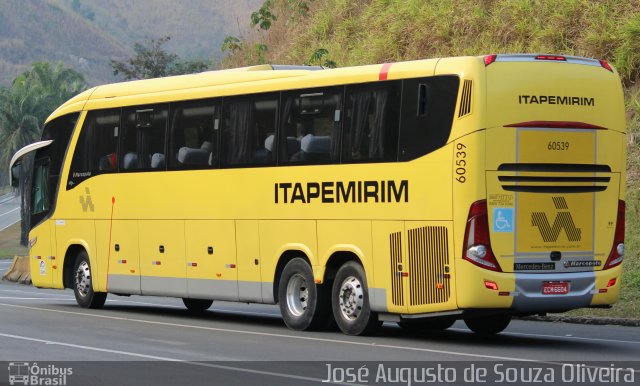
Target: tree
25,105
152,61
319,58
263,17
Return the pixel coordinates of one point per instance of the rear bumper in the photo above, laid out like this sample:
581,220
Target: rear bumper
528,296
521,293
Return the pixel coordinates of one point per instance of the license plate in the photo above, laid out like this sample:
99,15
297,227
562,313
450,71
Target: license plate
555,288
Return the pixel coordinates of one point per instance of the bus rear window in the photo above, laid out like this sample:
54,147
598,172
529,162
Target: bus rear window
428,106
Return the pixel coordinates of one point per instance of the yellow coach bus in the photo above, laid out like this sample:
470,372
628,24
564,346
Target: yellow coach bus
420,192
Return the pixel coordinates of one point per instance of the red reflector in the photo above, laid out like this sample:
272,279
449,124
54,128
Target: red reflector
611,282
557,125
503,293
606,65
405,274
490,285
551,57
490,59
615,257
602,290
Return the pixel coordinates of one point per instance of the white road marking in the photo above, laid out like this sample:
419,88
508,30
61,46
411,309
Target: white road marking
7,212
1,229
567,336
166,359
21,298
285,336
257,313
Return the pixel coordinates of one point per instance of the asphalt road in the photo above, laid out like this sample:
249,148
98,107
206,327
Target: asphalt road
147,340
9,210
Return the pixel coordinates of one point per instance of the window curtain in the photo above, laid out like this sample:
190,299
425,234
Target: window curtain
239,134
376,140
367,137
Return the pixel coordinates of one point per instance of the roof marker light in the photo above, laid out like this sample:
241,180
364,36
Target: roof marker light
606,65
490,59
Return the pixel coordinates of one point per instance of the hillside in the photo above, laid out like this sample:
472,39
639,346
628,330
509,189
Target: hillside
33,30
88,37
377,31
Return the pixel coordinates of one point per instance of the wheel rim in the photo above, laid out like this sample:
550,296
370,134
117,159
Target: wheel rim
297,295
83,279
351,298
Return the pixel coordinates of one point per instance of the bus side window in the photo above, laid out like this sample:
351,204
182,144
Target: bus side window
428,106
143,138
194,135
310,126
372,121
97,146
248,130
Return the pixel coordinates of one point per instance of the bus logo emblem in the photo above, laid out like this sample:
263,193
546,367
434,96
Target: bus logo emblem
563,220
503,219
85,201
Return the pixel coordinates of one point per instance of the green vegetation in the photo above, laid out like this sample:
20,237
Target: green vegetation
377,31
25,105
9,243
153,61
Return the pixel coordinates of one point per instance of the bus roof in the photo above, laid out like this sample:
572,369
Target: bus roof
238,81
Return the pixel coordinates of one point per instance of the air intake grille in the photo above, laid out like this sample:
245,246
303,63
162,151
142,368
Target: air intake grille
395,243
584,179
465,101
428,258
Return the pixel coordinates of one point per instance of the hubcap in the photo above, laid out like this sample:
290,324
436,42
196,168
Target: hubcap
297,295
83,279
351,298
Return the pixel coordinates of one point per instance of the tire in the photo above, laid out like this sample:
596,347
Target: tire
431,324
83,285
488,325
303,304
197,306
350,301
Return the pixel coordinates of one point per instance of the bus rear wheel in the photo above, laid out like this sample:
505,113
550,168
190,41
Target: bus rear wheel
488,325
303,304
197,305
350,301
83,286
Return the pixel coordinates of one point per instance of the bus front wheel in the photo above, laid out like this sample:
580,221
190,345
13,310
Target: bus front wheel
488,325
303,304
83,286
350,301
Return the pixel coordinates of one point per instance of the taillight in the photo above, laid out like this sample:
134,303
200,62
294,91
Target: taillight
490,59
606,65
551,57
617,250
477,246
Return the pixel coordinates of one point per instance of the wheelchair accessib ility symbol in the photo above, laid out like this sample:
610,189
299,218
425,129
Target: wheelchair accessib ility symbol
503,219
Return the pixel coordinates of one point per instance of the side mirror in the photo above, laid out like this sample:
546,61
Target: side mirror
15,174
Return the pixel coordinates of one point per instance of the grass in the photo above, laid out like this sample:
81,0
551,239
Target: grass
377,31
10,243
